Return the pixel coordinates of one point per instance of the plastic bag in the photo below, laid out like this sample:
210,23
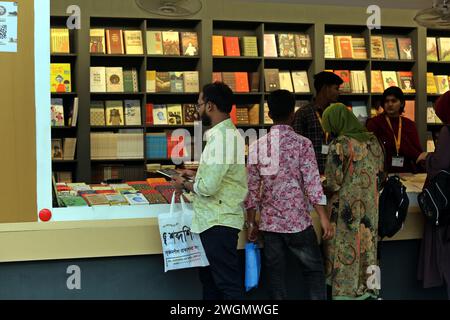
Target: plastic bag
252,265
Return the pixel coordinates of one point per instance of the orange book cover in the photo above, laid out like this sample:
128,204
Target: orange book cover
241,79
410,110
231,46
114,40
217,76
217,46
233,114
346,47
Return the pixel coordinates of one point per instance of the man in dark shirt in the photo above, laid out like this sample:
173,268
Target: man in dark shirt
308,119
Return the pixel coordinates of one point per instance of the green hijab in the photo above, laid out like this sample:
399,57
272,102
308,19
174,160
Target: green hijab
340,121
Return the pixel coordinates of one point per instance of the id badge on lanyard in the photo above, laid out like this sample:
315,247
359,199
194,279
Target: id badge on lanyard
398,161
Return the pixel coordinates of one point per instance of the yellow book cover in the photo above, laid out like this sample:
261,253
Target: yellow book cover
431,83
174,114
60,77
133,42
60,42
217,46
151,81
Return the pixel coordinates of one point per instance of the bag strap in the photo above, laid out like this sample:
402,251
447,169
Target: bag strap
172,204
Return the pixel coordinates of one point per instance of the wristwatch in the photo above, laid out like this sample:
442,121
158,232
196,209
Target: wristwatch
249,224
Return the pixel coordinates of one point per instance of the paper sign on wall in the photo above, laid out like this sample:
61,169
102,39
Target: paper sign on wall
8,26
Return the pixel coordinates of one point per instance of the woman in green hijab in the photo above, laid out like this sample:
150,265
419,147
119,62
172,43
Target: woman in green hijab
354,161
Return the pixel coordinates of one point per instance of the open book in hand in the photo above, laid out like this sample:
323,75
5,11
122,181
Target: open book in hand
171,173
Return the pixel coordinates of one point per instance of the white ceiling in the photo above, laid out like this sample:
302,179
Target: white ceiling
400,4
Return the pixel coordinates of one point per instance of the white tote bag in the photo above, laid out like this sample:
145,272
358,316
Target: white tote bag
181,248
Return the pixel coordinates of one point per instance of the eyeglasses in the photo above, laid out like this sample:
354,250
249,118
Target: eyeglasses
198,105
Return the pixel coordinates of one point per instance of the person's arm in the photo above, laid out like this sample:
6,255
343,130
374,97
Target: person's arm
253,200
298,123
440,158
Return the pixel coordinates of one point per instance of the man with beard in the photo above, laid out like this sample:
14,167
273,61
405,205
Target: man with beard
220,189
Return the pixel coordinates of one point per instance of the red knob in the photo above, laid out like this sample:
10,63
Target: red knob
45,215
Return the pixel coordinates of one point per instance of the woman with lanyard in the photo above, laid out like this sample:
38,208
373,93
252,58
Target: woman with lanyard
398,134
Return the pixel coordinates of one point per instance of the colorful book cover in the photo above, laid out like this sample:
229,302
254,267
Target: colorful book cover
160,114
132,112
345,46
162,82
377,81
97,41
444,48
57,149
406,81
174,114
431,83
171,43
114,41
377,47
231,46
57,112
286,45
149,114
114,113
176,82
217,46
272,79
60,77
345,76
250,46
154,43
390,48
189,43
410,110
389,79
151,81
432,52
114,79
241,80
190,114
405,48
60,41
359,48
303,46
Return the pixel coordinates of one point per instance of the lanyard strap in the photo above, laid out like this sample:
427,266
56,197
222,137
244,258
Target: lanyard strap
398,139
320,121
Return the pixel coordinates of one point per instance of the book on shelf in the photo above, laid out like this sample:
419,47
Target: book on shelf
242,115
406,81
60,40
176,82
60,77
442,83
217,77
432,52
189,43
249,46
359,48
190,114
73,119
191,82
114,113
162,81
174,114
231,46
233,114
57,149
377,47
171,43
431,113
253,114
156,145
431,147
300,81
133,42
346,86
272,79
151,81
377,81
97,43
359,109
114,41
343,47
241,79
254,81
57,112
69,148
98,79
114,79
217,46
149,114
359,81
175,146
270,45
390,48
229,78
160,114
130,80
431,83
405,48
303,46
154,43
389,79
267,119
444,48
97,113
286,45
112,146
330,52
285,80
132,112
410,109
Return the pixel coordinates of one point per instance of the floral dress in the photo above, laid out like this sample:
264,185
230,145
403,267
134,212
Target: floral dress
352,178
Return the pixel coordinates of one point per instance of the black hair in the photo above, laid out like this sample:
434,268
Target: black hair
326,78
396,92
220,94
281,104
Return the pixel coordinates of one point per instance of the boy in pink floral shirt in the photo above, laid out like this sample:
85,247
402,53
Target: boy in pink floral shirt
283,180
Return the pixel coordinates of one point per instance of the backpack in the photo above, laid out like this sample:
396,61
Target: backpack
434,200
393,207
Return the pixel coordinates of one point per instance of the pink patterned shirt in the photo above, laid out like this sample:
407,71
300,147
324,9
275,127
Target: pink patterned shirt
283,193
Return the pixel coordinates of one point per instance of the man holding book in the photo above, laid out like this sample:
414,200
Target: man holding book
220,188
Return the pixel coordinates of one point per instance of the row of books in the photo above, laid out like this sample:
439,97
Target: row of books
171,114
432,118
114,79
154,191
294,81
438,49
60,77
381,80
116,113
233,46
58,116
126,144
102,172
117,41
437,83
381,47
162,145
245,114
287,45
64,151
173,81
239,81
355,81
